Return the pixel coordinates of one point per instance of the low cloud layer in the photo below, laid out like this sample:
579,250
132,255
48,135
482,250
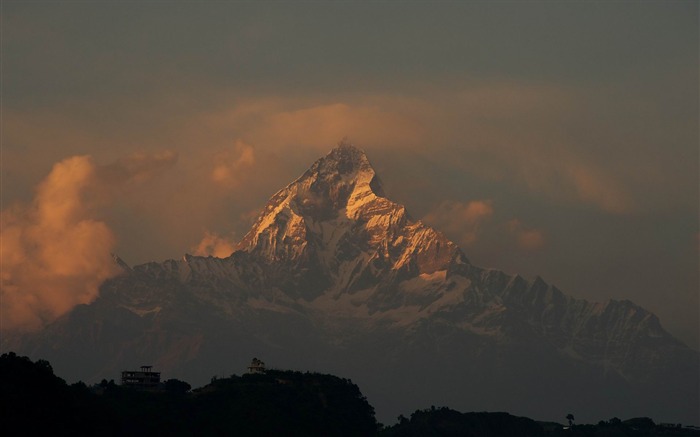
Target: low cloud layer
55,252
135,168
461,219
232,165
469,222
525,237
543,149
215,245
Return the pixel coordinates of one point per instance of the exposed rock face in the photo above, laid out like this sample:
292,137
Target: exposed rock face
337,278
334,229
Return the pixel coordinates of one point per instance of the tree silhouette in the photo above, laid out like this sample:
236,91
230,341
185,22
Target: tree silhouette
176,386
570,418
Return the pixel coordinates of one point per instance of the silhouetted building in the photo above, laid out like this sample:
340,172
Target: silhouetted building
143,379
256,366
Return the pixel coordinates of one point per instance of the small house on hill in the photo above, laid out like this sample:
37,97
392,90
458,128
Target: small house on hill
256,366
144,379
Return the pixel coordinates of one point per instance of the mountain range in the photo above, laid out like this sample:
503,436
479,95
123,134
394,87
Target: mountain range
335,277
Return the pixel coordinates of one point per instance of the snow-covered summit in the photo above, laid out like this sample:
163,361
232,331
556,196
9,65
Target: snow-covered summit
336,184
336,221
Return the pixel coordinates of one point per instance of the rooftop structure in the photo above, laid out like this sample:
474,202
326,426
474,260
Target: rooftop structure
256,366
144,379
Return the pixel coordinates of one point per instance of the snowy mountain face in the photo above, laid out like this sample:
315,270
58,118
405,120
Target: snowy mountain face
335,277
336,232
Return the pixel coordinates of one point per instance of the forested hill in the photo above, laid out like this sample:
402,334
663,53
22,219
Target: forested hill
34,401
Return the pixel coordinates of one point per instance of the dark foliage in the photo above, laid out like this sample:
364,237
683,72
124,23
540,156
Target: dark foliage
636,427
176,386
33,401
284,403
445,422
36,402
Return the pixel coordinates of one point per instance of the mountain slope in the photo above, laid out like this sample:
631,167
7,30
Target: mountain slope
333,276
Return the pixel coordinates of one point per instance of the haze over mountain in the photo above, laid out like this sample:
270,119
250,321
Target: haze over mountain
335,277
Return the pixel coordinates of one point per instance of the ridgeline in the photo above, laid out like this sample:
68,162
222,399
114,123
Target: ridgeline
34,401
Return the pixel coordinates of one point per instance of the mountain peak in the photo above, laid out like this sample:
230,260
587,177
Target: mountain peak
336,186
347,156
335,217
345,165
347,146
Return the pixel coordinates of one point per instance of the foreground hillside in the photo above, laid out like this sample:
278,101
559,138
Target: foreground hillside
36,402
33,401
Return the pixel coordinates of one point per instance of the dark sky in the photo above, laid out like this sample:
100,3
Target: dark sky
553,139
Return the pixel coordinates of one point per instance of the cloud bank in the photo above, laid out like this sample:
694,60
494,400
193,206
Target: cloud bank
55,253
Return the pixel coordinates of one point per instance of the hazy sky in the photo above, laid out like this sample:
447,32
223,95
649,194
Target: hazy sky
550,138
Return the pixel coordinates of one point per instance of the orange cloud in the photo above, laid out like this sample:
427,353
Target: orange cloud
278,124
460,219
599,190
54,255
137,167
213,244
534,151
323,125
232,165
526,238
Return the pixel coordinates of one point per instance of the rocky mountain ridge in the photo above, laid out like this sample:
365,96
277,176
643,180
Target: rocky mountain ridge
334,276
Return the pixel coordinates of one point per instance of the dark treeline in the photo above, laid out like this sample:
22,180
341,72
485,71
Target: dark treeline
34,401
445,422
